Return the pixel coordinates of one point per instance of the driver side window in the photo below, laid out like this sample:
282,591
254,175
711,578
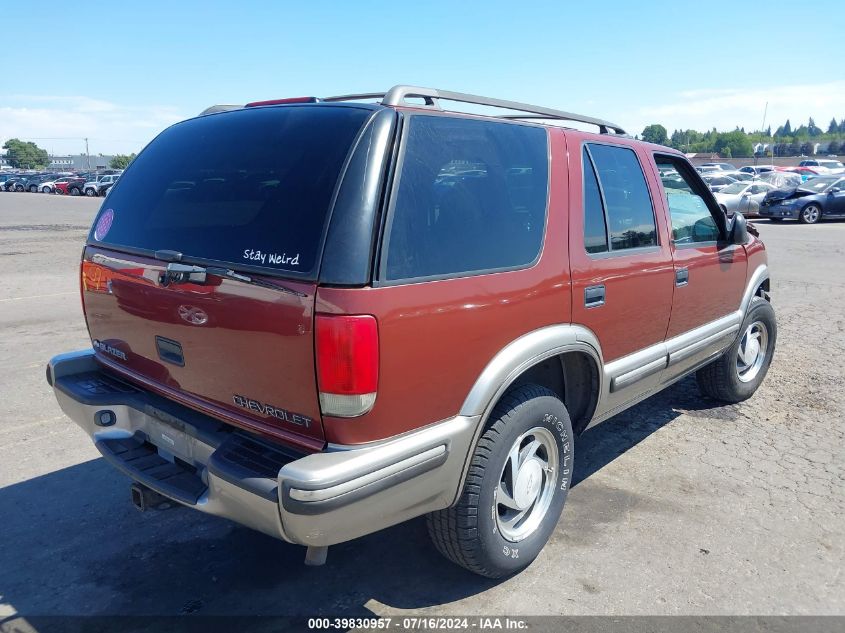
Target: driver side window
692,221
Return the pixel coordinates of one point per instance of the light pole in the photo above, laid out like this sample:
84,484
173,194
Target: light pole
87,155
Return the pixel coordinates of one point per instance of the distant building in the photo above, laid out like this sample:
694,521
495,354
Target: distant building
79,162
70,162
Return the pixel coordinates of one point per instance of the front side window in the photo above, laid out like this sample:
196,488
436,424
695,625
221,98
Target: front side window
692,221
471,198
623,193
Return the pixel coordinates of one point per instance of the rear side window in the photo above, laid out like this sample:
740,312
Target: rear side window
628,214
471,198
250,187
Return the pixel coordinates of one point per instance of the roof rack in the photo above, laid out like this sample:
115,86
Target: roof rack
398,95
431,97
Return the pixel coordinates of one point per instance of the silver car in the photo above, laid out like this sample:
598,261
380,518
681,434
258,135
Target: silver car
744,197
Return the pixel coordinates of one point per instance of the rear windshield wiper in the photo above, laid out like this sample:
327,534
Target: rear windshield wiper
176,273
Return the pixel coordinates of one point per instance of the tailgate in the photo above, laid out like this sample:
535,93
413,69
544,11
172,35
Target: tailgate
246,196
240,351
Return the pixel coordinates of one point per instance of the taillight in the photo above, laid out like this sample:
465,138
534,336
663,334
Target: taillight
347,363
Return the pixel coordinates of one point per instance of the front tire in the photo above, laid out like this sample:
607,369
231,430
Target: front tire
515,489
737,373
810,214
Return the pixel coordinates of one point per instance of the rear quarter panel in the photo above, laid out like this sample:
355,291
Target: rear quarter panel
436,337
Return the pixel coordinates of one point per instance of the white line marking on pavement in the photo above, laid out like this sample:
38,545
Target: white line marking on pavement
55,294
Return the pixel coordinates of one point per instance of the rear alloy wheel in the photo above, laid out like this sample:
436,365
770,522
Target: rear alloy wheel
74,191
515,488
810,214
45,189
90,192
19,188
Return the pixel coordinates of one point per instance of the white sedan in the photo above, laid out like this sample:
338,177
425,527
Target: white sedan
744,197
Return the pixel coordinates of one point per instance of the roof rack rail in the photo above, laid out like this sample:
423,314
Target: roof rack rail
398,94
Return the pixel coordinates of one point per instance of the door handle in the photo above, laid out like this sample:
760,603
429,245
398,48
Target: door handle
594,296
681,276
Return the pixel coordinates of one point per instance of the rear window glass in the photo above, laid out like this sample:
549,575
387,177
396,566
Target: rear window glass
250,187
471,198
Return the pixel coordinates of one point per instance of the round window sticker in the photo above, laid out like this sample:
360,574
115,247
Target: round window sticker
104,224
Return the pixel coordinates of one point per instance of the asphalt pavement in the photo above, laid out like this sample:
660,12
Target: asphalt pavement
680,506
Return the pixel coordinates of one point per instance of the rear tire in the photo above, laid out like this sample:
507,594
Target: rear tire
74,191
33,189
515,489
737,373
90,192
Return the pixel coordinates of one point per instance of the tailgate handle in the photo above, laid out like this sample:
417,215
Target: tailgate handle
594,296
170,351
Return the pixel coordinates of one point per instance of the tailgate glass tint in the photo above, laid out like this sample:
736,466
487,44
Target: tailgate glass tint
250,187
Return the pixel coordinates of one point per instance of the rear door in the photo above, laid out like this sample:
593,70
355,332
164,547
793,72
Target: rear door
622,276
246,192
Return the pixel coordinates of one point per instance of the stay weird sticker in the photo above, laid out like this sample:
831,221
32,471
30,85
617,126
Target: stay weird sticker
103,225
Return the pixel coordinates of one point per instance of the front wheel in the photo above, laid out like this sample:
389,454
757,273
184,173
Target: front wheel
45,189
515,489
74,191
737,374
810,214
90,192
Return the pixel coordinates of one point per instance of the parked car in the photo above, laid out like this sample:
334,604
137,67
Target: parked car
738,175
6,178
15,183
817,199
48,185
717,182
266,349
823,164
721,166
756,170
72,186
95,187
105,188
805,172
33,183
744,197
781,179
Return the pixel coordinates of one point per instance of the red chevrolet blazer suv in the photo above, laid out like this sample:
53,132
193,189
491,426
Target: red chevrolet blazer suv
323,317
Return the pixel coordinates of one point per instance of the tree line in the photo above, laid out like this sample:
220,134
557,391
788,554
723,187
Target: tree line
27,155
785,141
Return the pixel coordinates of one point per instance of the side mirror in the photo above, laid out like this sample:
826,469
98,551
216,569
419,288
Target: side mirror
833,190
738,231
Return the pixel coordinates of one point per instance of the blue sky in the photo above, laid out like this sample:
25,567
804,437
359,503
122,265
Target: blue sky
125,70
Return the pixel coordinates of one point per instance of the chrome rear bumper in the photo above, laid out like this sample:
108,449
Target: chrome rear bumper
319,499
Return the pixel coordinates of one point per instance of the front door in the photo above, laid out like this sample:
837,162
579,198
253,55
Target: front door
710,274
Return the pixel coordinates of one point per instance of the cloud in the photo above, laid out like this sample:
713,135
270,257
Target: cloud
60,123
728,108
